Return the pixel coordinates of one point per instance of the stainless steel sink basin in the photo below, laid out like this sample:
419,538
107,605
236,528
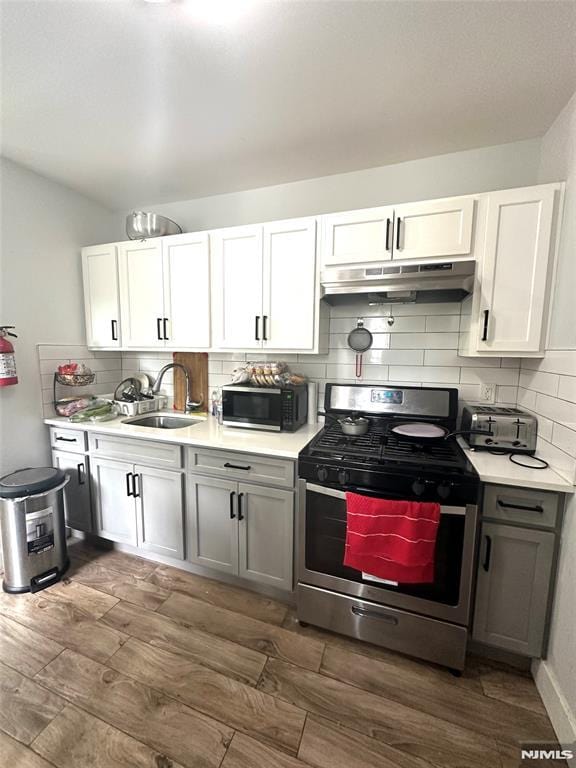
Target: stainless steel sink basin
162,422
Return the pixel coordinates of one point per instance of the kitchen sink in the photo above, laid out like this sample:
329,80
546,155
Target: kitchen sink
162,422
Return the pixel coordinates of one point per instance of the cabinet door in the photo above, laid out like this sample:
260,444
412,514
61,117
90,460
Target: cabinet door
114,508
160,511
514,278
77,506
187,290
212,526
290,310
101,306
434,228
357,237
513,586
141,294
266,542
237,288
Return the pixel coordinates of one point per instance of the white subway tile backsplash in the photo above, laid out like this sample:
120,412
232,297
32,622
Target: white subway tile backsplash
451,357
567,388
425,373
394,356
424,341
560,411
565,439
547,383
555,361
506,394
489,376
442,323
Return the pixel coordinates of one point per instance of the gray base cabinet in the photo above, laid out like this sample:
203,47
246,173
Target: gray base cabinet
514,580
139,505
77,505
241,529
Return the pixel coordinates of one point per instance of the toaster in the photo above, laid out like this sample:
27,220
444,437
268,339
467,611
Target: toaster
512,429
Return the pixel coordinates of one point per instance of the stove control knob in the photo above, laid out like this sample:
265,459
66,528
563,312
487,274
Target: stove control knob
343,476
322,474
443,490
488,441
418,487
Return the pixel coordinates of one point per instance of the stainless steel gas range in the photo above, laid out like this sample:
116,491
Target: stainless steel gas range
430,621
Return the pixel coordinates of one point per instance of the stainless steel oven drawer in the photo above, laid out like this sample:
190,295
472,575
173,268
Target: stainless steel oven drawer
436,641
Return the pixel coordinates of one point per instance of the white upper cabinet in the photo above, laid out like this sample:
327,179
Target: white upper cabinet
434,228
237,261
142,294
357,237
101,305
510,302
289,290
186,270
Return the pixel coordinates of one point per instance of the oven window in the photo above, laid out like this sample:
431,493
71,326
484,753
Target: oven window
326,536
253,408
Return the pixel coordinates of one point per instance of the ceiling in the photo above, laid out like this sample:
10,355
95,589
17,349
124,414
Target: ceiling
134,104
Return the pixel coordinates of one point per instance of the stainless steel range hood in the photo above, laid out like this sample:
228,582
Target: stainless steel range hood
408,282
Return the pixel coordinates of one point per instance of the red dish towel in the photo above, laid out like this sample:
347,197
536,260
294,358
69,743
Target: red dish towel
394,540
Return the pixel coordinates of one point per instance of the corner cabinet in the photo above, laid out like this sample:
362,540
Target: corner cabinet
506,315
265,287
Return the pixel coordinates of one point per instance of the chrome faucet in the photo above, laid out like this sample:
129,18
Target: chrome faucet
190,404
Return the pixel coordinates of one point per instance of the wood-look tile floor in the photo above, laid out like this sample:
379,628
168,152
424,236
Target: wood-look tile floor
130,664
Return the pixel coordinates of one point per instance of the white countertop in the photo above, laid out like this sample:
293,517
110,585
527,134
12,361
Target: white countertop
206,434
499,469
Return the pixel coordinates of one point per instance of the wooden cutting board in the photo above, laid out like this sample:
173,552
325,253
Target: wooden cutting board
196,363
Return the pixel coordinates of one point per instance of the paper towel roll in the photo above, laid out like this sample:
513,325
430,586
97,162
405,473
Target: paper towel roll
312,402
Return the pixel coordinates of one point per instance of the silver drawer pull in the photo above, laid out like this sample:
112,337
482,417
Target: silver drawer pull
536,508
357,611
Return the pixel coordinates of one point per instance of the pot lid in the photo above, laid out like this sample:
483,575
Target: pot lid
354,420
30,481
419,429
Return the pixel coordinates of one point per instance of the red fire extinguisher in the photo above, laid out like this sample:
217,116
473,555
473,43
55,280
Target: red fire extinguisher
7,358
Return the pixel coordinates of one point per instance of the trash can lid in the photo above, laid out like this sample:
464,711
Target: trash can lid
30,481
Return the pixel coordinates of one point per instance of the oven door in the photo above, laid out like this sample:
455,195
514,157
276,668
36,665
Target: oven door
322,535
252,408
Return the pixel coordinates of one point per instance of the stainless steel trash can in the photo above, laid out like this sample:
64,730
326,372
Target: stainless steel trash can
33,528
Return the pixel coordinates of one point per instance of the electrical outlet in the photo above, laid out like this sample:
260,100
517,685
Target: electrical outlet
487,393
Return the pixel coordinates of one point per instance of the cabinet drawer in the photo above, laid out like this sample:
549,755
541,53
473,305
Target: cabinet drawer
68,439
138,451
242,466
517,505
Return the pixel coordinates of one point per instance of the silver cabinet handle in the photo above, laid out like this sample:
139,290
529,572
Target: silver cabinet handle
366,612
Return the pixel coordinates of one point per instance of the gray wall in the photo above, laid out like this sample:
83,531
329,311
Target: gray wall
43,225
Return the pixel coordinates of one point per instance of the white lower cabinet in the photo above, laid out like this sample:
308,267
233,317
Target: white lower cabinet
241,529
160,511
212,530
114,508
139,505
77,506
265,527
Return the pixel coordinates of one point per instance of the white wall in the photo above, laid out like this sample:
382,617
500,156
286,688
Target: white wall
548,387
457,173
42,226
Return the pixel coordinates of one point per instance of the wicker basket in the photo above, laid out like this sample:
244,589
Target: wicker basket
75,379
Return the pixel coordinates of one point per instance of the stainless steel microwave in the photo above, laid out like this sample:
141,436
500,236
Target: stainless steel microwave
277,409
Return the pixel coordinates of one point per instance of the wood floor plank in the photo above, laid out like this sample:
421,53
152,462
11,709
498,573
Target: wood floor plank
161,631
419,734
64,622
469,679
76,739
512,688
222,595
93,602
121,585
112,558
25,707
245,752
16,755
23,649
244,630
236,704
151,717
326,745
467,709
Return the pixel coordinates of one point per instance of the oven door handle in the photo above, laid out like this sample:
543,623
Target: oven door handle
444,509
369,614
